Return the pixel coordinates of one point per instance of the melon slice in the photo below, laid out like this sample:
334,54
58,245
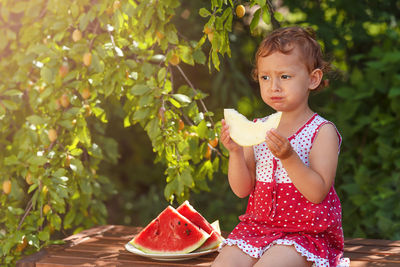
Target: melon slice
195,217
248,133
170,233
216,227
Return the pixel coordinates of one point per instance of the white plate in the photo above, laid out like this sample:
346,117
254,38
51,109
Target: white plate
167,257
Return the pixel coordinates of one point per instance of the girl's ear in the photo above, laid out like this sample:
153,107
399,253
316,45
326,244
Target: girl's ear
315,78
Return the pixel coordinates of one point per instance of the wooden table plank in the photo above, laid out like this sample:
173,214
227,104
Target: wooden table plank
105,246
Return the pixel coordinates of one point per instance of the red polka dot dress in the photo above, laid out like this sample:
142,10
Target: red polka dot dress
277,213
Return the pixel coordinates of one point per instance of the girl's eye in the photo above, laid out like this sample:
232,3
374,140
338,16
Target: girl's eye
285,77
265,77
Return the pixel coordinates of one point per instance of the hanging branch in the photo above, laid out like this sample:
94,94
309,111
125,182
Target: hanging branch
271,8
196,91
27,210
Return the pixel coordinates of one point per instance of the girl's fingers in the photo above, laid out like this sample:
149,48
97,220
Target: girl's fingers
275,137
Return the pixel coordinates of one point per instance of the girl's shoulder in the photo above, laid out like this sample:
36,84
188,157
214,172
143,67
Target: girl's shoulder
326,126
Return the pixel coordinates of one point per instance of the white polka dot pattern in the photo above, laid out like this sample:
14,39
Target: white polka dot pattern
277,213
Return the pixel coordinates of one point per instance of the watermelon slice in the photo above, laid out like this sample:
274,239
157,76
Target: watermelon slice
170,233
195,217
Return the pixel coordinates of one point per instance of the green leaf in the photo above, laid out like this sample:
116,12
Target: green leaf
204,12
47,74
55,220
44,235
278,16
36,120
172,37
202,129
13,92
215,59
140,89
182,98
11,105
255,20
68,219
394,91
11,160
174,102
152,128
171,188
186,178
37,160
84,21
141,114
199,56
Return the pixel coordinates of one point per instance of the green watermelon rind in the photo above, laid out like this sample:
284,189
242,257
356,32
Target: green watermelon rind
201,222
215,244
187,249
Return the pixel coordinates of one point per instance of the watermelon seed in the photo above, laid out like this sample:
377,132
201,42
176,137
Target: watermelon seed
187,232
179,222
185,224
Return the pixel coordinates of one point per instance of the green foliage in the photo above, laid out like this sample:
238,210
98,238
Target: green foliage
62,65
74,73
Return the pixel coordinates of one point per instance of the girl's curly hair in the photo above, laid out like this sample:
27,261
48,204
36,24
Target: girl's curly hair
284,40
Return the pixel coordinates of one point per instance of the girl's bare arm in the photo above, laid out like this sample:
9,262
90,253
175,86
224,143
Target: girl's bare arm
313,181
241,170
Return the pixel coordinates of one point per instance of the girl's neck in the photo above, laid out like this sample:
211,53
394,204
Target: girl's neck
292,121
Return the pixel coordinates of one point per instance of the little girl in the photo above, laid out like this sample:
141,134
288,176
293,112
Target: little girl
293,216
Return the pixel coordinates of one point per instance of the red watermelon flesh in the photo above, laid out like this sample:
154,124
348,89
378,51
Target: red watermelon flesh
170,233
195,217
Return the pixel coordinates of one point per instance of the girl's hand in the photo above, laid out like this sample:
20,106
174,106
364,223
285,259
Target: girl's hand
226,140
279,145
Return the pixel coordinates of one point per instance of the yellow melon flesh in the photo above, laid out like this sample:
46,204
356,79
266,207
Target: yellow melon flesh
248,133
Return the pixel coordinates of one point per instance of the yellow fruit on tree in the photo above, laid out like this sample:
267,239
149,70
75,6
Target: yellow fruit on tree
214,142
67,161
87,59
64,101
116,5
7,187
207,155
85,93
22,245
63,70
46,209
181,125
52,134
76,35
175,60
210,36
240,11
208,30
45,190
109,11
160,35
28,178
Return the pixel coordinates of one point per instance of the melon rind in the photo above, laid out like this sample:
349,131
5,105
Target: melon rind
196,218
248,133
170,234
212,242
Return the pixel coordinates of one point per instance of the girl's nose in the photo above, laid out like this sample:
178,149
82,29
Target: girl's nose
275,85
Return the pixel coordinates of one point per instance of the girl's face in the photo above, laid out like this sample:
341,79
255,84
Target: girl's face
285,81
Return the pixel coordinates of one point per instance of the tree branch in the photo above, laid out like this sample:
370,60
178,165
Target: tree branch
274,22
194,89
27,210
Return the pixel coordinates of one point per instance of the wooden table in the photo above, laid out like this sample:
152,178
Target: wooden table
104,246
